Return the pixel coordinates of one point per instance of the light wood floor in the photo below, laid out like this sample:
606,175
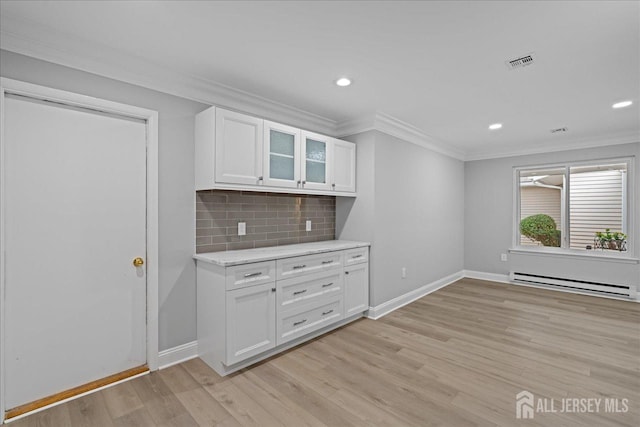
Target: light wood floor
456,357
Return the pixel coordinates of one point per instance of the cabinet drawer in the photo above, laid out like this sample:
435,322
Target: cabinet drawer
298,266
356,256
302,290
310,318
240,276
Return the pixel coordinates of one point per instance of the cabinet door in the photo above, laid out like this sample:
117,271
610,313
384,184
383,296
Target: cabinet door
343,166
356,289
251,321
239,140
281,155
316,158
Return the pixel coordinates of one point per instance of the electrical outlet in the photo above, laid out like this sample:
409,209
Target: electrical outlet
308,225
503,257
404,272
242,228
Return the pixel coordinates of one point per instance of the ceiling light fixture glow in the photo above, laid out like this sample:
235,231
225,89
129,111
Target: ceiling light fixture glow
495,126
343,82
622,104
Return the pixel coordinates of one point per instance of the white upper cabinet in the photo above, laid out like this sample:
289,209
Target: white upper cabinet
234,151
238,148
316,159
343,173
281,155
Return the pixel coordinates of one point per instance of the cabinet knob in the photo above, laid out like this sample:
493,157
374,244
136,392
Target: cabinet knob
260,178
333,185
346,272
273,289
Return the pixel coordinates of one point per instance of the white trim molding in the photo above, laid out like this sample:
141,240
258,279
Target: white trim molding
390,125
179,354
9,86
504,278
574,144
481,275
38,41
27,38
387,307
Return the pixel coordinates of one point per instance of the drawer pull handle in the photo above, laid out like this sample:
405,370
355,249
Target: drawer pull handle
297,267
328,284
356,256
324,313
300,292
253,274
300,322
327,262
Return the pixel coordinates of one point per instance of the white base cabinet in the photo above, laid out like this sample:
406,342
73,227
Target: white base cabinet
250,322
247,312
356,281
356,289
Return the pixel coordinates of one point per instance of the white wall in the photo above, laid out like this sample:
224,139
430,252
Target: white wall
177,299
410,206
488,220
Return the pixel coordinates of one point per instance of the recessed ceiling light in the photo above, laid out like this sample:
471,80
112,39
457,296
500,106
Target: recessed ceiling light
622,104
343,82
495,126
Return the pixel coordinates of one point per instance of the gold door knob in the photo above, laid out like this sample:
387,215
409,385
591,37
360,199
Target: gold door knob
137,262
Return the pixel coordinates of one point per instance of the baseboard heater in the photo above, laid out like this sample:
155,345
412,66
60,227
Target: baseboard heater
597,288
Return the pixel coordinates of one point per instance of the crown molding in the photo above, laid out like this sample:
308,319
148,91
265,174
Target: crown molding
26,38
390,125
44,43
574,144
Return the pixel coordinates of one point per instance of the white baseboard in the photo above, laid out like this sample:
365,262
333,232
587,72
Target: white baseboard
481,275
179,354
504,278
394,304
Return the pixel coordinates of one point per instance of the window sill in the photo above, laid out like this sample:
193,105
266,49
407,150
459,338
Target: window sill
564,253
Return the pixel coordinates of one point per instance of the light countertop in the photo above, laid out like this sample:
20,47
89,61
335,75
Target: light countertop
246,256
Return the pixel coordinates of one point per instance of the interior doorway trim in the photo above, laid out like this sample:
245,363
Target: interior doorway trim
15,87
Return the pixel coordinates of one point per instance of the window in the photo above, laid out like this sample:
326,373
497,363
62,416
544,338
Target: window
577,206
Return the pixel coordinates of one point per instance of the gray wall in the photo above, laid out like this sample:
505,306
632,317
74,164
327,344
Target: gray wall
410,206
177,298
489,222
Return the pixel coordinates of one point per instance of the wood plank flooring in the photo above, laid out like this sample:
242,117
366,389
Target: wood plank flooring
456,357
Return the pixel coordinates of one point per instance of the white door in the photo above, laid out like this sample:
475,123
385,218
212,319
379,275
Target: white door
238,148
251,321
356,289
75,214
316,157
343,166
281,155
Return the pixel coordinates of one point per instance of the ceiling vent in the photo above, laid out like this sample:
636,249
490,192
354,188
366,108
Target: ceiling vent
559,130
521,62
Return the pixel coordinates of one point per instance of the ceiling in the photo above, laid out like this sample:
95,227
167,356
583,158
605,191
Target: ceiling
434,71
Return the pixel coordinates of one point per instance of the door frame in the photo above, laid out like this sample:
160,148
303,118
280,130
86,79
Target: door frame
15,87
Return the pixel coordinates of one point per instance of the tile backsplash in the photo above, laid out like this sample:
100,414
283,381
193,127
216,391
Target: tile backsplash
272,219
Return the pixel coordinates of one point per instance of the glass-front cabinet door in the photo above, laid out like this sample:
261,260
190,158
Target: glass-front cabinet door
316,155
282,155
